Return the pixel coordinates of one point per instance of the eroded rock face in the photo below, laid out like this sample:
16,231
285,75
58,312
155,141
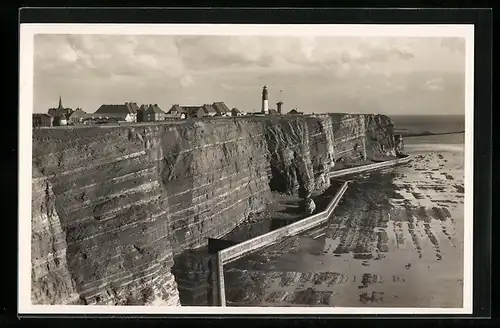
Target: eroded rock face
125,201
51,281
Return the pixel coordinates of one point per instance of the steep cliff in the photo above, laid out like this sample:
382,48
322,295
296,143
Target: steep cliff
112,206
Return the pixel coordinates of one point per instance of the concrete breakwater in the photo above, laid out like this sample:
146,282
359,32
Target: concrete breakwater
370,167
237,251
112,207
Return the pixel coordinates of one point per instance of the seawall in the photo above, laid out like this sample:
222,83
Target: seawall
113,206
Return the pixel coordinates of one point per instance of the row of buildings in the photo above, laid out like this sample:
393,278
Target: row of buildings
131,112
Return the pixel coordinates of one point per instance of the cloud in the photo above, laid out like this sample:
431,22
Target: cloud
186,81
355,74
435,84
454,44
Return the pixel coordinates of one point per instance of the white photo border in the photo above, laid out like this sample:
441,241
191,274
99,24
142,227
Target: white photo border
27,33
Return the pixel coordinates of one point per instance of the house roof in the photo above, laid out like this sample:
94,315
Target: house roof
177,108
235,110
294,111
132,107
273,111
209,109
221,107
217,107
154,109
127,108
78,113
189,110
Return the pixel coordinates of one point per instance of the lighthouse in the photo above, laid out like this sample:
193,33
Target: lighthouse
265,101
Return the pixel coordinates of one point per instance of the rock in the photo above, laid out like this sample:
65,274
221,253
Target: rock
163,189
310,206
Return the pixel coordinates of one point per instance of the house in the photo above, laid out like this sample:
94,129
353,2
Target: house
221,108
236,112
126,112
42,120
150,113
209,110
272,111
205,110
176,109
294,112
140,113
179,116
188,111
77,117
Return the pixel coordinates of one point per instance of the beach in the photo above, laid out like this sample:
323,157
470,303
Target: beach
395,240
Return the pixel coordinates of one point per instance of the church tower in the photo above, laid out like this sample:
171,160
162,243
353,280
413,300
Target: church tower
265,101
60,103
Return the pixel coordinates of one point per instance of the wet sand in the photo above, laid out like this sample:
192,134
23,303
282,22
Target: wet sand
396,240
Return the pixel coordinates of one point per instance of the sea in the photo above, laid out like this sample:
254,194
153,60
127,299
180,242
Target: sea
429,123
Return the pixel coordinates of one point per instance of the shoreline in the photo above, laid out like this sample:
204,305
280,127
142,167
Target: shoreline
399,257
424,134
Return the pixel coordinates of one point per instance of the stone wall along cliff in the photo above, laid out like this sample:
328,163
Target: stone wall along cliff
126,200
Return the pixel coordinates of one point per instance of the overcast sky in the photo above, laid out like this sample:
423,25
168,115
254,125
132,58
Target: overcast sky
315,74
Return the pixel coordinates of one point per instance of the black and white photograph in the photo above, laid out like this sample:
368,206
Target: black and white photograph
246,168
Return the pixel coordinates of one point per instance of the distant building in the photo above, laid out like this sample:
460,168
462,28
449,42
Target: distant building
140,113
176,109
179,116
126,112
206,110
221,109
60,114
236,112
42,120
150,113
77,117
209,110
279,106
294,112
194,111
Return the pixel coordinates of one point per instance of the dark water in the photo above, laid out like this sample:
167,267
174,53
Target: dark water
433,141
432,124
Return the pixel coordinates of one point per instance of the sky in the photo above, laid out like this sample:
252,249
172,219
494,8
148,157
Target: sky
392,75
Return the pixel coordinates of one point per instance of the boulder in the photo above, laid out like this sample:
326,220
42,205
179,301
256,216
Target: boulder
310,206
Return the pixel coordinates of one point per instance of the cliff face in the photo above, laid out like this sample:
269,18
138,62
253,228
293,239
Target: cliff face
112,206
51,281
